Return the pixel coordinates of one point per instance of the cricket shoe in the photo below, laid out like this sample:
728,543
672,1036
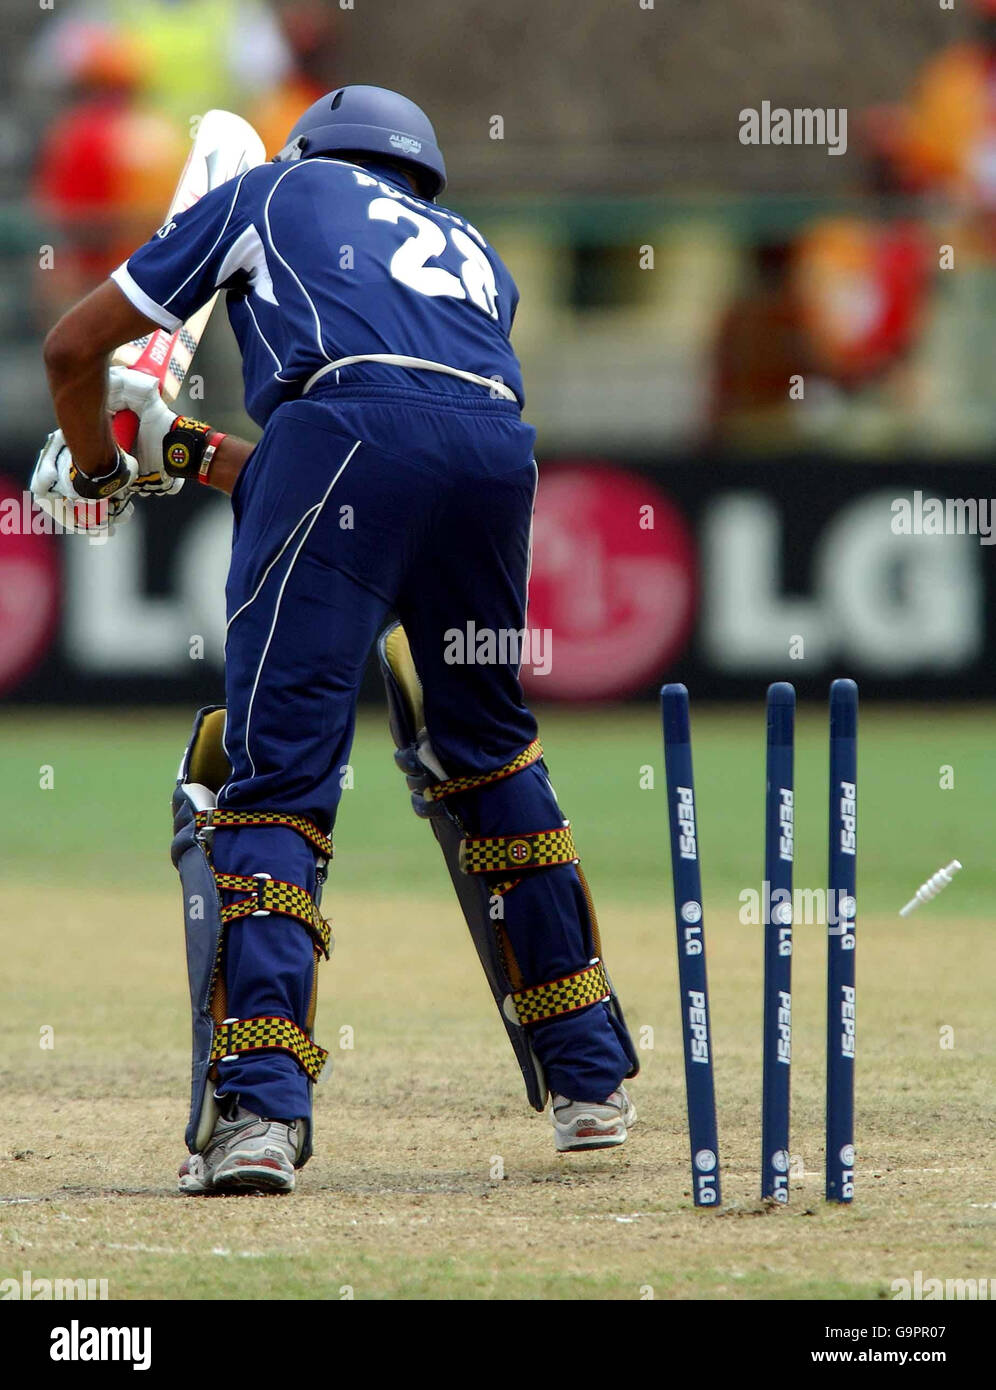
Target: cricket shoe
245,1154
579,1124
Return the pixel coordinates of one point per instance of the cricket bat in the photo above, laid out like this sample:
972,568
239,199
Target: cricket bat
225,146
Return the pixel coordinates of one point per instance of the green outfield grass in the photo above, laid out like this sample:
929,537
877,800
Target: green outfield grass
106,819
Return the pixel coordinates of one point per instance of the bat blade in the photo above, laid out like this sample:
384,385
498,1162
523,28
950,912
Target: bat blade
224,147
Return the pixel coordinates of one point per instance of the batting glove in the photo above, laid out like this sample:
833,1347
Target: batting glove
139,392
75,501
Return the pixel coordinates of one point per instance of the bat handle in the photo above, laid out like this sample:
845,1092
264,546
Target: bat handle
125,426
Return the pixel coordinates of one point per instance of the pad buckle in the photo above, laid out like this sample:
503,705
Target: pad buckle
204,834
260,910
226,1025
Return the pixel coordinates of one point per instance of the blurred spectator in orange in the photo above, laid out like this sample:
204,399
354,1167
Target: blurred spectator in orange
311,29
949,149
950,142
105,173
193,54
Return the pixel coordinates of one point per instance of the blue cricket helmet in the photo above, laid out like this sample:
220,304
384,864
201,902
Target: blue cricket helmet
370,120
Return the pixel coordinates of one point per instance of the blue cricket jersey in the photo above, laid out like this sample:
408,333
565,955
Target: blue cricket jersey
324,260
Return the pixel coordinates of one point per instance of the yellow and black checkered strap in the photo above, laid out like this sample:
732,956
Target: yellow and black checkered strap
238,1035
540,1002
453,786
235,820
273,895
498,854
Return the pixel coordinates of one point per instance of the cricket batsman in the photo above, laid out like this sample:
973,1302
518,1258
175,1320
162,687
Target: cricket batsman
391,493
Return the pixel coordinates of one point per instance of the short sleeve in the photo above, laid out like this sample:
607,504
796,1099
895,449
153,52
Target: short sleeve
187,260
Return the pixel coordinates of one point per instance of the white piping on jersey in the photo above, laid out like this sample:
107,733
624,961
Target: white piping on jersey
216,240
269,233
532,523
393,359
266,341
276,611
529,552
247,253
136,296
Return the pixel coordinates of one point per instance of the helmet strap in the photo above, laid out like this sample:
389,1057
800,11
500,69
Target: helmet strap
291,152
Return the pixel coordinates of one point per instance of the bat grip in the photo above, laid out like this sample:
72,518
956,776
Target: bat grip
125,427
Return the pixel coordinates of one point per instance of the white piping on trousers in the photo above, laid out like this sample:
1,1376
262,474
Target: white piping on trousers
280,595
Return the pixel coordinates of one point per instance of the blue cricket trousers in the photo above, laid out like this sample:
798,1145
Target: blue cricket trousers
359,502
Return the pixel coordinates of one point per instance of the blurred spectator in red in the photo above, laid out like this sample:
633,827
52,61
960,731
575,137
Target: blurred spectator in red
311,29
861,288
840,307
862,281
105,172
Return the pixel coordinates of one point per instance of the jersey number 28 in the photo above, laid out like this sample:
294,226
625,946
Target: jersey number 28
476,280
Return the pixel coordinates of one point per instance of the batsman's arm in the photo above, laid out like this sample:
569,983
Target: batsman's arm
229,460
76,354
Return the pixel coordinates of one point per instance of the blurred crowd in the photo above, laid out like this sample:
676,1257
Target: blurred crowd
859,304
128,76
864,305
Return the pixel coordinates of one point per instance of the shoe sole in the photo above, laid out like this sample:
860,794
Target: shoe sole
595,1139
253,1175
240,1175
240,1184
588,1146
591,1139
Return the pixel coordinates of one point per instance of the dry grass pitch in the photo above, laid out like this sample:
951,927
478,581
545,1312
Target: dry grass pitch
402,1198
